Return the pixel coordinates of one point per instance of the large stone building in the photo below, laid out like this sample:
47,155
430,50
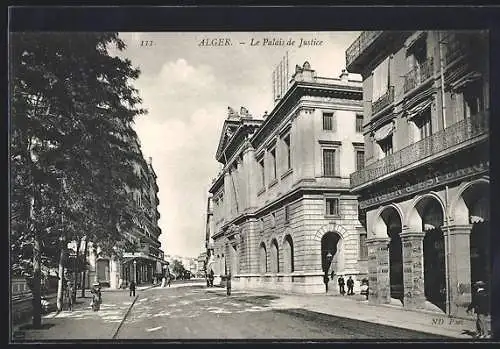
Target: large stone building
146,263
281,214
425,185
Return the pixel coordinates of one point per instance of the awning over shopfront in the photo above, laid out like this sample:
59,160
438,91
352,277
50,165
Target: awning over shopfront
384,132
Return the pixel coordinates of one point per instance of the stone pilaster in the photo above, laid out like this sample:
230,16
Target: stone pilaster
378,271
457,243
413,271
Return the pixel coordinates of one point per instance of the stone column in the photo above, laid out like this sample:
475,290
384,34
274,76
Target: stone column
378,270
457,248
413,273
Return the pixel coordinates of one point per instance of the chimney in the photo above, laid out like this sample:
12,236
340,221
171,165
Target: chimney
265,115
344,75
150,160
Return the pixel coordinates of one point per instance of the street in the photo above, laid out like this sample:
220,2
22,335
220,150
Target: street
196,312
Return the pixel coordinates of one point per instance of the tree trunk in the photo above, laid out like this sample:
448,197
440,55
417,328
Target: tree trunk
76,268
96,279
60,282
37,256
37,265
85,249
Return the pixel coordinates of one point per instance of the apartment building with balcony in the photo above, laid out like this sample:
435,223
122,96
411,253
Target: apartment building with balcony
146,263
424,190
282,211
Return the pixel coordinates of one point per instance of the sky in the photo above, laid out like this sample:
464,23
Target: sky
187,86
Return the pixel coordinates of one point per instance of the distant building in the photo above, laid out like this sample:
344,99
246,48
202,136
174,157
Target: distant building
281,214
425,187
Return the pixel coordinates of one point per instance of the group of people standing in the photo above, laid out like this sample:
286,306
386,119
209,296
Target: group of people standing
342,283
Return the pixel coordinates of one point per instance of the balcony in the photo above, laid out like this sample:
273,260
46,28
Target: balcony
359,46
418,75
383,101
452,136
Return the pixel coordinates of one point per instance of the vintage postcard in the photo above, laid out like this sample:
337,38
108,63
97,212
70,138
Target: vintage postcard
239,185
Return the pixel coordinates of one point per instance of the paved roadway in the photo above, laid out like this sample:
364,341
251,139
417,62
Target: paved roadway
197,313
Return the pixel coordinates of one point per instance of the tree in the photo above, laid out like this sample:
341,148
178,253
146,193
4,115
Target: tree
177,268
72,108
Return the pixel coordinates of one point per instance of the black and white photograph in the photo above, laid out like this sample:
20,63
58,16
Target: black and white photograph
249,185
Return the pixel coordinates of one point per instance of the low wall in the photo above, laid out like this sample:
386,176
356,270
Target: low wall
297,282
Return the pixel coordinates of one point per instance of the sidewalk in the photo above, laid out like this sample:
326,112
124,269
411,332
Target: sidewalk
82,322
356,307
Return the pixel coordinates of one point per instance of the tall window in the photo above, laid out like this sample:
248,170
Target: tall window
363,248
380,80
288,162
262,172
332,206
272,153
473,99
423,123
328,121
360,159
359,123
329,162
386,145
287,213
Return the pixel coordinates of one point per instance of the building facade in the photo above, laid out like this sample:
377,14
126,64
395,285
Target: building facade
424,189
281,214
146,263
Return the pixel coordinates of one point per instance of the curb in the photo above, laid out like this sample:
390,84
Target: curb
125,317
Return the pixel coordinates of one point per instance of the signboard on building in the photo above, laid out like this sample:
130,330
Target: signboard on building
438,178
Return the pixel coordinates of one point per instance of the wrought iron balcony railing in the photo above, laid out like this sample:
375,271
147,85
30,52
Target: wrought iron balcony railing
451,136
386,99
360,44
418,75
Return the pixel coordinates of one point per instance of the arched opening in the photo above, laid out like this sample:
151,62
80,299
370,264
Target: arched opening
288,254
431,213
275,262
477,200
329,243
263,258
103,270
392,221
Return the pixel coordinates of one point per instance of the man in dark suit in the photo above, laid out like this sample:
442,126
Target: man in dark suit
481,305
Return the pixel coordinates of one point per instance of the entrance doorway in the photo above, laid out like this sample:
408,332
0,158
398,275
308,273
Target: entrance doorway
392,221
329,243
480,261
431,214
435,268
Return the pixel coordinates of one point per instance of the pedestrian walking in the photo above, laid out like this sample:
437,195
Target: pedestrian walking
96,297
481,306
132,288
211,276
341,283
228,284
169,279
350,286
163,281
326,280
365,288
